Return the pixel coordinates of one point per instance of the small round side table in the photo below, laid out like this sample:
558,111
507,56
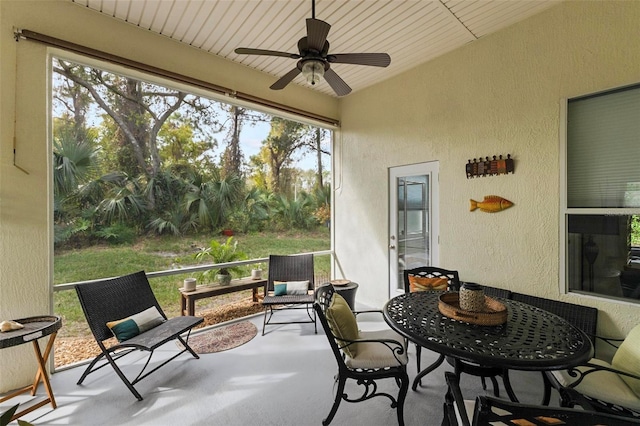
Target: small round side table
34,329
348,291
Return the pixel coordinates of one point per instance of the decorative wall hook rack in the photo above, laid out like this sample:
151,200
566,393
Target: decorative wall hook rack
487,167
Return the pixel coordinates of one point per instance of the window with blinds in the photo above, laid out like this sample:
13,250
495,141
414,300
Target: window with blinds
603,150
602,216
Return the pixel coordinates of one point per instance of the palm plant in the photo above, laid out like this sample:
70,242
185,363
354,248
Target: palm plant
73,162
214,200
176,221
221,253
124,200
293,213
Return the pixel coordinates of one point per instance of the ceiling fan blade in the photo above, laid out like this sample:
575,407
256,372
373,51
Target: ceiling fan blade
337,84
249,51
285,79
317,32
371,59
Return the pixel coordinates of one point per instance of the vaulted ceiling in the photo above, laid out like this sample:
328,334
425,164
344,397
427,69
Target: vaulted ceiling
411,32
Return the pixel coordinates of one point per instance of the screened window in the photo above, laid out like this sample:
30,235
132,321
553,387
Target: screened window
602,216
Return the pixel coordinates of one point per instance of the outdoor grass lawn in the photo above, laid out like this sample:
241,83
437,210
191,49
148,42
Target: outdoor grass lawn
163,253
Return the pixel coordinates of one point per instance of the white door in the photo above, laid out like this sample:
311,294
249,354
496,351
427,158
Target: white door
413,220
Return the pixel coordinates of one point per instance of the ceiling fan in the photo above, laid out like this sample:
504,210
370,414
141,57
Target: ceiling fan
315,60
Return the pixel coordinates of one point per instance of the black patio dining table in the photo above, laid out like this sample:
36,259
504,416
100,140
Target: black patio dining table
531,339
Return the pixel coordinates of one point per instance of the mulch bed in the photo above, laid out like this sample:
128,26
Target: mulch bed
69,350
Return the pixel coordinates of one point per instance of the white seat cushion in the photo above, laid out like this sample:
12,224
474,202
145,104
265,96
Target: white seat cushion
377,355
603,385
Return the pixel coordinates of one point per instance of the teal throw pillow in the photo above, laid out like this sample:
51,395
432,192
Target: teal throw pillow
129,327
286,288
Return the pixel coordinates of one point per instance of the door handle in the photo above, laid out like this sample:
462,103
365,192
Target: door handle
392,247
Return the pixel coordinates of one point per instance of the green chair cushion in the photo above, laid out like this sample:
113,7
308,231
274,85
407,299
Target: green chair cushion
627,358
343,323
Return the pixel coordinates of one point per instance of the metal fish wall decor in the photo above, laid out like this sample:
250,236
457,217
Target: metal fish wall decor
491,204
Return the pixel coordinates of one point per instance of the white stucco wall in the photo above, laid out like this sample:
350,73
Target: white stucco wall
498,95
25,231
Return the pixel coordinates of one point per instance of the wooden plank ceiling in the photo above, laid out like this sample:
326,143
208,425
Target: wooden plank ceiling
410,31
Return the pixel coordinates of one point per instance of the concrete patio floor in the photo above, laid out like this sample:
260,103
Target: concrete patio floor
282,378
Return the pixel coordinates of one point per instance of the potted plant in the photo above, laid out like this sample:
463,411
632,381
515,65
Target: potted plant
256,271
221,253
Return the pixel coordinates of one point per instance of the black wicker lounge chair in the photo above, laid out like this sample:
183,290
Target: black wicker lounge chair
130,298
289,269
369,356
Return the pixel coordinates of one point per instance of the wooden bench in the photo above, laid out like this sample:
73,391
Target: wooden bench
188,298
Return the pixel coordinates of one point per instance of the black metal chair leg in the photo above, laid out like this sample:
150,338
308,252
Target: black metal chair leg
546,397
402,394
264,322
123,377
336,402
507,386
89,369
496,388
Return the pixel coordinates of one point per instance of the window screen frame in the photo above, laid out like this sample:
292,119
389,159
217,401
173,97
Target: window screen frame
566,211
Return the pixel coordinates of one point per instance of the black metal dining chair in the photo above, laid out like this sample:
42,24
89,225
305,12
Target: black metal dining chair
426,278
583,317
486,410
608,387
363,356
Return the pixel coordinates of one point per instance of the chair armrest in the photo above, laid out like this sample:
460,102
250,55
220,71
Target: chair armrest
609,340
396,348
588,368
371,311
573,397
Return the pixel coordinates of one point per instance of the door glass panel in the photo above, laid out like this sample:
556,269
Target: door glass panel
413,223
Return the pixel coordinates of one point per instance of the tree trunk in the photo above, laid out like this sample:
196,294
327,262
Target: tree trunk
319,183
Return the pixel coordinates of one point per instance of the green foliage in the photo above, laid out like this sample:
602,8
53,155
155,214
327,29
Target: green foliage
5,418
149,165
213,201
635,230
74,158
293,213
124,199
75,228
285,138
117,234
174,222
180,150
221,253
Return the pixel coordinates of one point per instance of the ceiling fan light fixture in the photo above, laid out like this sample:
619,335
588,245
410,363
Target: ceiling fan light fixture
313,71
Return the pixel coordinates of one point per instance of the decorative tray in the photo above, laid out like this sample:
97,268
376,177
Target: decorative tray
339,282
495,313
